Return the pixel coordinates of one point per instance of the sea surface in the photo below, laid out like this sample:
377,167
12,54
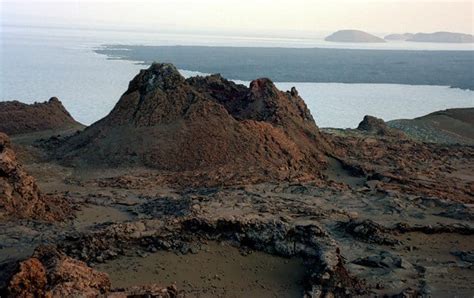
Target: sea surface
38,63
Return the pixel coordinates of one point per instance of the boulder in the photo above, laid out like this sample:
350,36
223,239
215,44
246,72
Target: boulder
377,126
20,196
50,273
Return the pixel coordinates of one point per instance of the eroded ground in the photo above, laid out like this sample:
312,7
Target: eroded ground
265,240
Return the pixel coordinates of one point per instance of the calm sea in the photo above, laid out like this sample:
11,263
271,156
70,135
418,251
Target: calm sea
38,63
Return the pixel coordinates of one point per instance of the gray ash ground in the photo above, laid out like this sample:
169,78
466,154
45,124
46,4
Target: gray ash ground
214,269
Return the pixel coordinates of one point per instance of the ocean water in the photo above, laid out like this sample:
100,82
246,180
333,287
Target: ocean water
344,105
38,63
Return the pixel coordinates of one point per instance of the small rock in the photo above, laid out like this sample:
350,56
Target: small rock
185,249
326,276
466,256
404,264
142,254
194,249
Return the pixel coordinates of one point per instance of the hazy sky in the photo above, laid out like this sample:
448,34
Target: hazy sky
251,16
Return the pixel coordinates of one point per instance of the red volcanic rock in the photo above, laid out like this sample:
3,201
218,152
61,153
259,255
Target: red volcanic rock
20,196
18,118
205,125
49,273
31,280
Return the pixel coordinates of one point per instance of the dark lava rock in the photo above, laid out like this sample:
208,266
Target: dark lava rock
164,206
466,256
368,231
377,126
383,260
458,211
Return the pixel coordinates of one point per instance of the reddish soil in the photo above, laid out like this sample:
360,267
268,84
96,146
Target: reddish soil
20,118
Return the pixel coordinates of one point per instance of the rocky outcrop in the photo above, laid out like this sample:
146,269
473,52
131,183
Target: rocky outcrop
30,280
50,273
368,231
19,118
377,126
20,196
206,126
354,36
372,124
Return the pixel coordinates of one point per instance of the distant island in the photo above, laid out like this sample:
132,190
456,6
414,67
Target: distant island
354,36
437,37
